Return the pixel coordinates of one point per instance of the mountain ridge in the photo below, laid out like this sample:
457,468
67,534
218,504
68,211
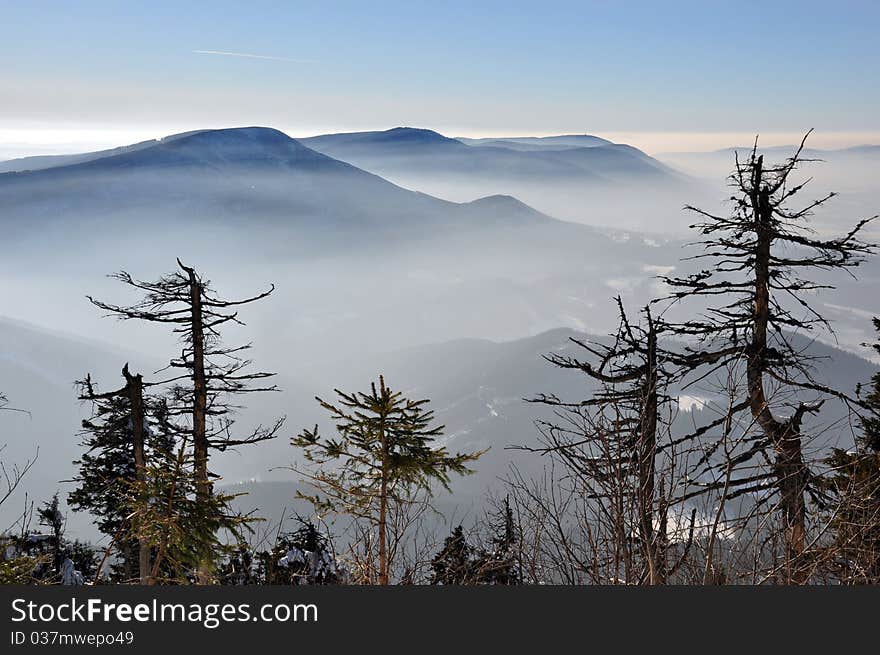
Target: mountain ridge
257,176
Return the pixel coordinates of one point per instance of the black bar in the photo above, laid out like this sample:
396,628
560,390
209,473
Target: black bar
461,619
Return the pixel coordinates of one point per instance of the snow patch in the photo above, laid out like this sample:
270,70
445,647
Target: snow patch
690,403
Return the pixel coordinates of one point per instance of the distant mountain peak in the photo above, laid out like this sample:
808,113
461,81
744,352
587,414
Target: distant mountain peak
506,208
401,137
217,148
414,134
500,200
254,137
254,132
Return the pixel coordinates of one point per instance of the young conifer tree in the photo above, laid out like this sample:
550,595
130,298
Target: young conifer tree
51,517
382,456
453,564
497,564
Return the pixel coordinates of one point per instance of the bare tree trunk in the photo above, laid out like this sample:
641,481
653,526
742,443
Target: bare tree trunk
200,389
791,475
765,239
135,388
383,513
200,402
785,437
647,449
185,301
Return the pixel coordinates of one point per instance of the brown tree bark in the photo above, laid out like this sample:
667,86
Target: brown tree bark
383,511
200,401
200,389
134,386
647,449
785,436
185,301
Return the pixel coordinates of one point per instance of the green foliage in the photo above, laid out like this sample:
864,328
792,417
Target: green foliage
871,422
383,455
855,524
184,533
459,563
854,484
384,445
453,564
239,567
497,565
38,557
304,556
84,558
106,476
51,517
20,570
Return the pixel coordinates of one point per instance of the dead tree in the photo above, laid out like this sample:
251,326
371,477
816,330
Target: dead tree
611,438
747,302
130,399
209,374
12,475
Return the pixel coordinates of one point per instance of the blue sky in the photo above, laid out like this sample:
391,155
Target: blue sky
710,68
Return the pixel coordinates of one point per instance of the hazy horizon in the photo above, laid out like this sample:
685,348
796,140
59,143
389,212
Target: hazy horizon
685,76
26,141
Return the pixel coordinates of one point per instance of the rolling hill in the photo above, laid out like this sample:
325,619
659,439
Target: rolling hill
255,175
580,178
476,388
413,151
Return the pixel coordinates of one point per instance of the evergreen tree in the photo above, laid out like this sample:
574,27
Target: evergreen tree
44,557
498,564
84,558
182,529
855,485
304,556
126,429
239,567
458,563
137,483
383,454
453,565
51,517
208,376
870,420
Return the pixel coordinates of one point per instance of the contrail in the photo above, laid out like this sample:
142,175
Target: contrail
248,55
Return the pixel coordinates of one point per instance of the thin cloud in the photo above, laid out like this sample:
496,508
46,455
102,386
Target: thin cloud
249,55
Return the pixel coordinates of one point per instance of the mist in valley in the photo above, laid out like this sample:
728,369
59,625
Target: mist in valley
451,274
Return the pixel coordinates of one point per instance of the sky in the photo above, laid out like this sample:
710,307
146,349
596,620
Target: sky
665,76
